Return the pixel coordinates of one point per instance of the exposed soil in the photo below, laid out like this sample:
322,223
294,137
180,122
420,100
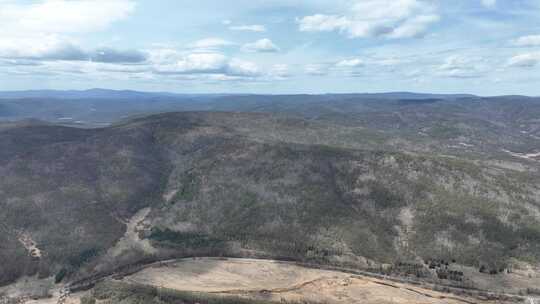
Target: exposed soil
274,280
26,240
131,239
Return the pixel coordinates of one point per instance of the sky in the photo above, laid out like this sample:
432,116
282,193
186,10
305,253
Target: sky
484,47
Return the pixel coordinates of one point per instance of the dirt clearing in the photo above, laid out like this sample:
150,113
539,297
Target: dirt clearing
30,245
131,240
273,280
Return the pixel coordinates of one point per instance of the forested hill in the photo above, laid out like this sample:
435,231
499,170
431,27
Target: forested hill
80,201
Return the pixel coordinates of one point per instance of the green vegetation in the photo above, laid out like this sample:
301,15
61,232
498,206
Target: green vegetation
83,257
168,237
60,275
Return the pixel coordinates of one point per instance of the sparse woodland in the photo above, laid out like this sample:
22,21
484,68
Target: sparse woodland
337,190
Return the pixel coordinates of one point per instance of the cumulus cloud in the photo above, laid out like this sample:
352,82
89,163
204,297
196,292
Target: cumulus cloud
172,62
161,64
489,3
525,60
248,28
262,46
46,48
44,30
376,18
531,40
52,49
196,63
62,16
47,37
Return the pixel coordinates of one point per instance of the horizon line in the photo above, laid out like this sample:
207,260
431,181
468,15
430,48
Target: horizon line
255,94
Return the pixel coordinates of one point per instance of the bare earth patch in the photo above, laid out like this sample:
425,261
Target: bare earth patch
26,240
273,280
131,239
169,195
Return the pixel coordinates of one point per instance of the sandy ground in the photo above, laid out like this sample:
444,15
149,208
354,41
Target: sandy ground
281,281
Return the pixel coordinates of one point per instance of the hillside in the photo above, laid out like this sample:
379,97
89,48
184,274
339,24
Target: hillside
463,125
83,201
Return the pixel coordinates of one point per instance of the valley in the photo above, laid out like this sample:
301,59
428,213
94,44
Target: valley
269,152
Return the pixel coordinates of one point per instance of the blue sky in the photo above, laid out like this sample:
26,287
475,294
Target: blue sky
485,47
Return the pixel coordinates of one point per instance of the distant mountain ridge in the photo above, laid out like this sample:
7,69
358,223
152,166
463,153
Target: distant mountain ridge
90,93
109,93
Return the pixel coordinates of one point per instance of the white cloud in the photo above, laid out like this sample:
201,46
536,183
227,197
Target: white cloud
263,46
172,62
164,56
210,43
414,26
526,60
461,67
323,23
238,67
377,18
61,16
248,28
161,64
52,48
531,40
45,30
489,3
19,48
350,63
198,63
